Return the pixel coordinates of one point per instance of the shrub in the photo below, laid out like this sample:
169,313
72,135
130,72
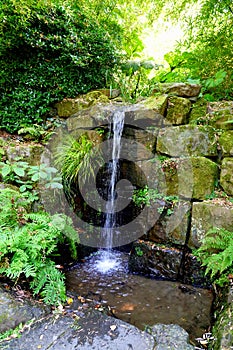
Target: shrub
48,53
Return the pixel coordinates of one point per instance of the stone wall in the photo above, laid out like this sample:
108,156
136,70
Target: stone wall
183,146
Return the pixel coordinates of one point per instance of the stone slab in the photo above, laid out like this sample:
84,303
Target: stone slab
187,140
206,215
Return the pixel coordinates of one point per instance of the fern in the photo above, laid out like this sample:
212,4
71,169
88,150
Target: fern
216,253
28,242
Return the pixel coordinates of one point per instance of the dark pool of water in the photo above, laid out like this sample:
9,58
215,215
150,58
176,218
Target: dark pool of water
142,301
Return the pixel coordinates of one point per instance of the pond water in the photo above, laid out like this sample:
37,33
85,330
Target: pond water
138,300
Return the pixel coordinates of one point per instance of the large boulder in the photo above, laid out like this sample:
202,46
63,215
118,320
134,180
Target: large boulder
226,176
190,177
179,89
91,117
187,140
178,110
142,142
70,106
209,214
147,113
198,112
170,337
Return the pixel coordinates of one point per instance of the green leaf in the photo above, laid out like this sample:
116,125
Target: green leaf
6,170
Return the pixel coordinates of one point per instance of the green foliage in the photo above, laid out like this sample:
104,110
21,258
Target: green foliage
146,196
27,176
48,51
75,158
139,251
28,244
35,132
216,253
132,78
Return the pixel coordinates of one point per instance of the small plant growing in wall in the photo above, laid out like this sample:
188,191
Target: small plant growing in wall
147,196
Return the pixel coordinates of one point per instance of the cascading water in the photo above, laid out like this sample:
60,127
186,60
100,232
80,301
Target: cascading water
108,260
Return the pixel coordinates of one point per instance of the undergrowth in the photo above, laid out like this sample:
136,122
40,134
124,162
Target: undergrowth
28,245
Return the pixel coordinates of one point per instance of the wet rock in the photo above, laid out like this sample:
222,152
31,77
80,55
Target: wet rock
170,337
226,175
190,177
69,106
178,110
13,311
209,214
153,260
193,273
226,143
171,228
179,89
83,331
187,140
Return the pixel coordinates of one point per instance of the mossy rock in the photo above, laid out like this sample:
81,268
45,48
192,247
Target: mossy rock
226,143
221,115
30,153
190,177
198,112
68,106
223,328
226,176
178,110
172,225
187,140
156,103
179,89
209,214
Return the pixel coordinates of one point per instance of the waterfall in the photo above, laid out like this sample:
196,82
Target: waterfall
108,260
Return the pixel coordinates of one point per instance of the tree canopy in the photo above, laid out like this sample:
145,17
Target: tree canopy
55,49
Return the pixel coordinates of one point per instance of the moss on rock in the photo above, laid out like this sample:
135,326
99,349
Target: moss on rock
226,176
178,110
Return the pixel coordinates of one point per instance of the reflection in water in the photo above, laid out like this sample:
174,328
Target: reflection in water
142,301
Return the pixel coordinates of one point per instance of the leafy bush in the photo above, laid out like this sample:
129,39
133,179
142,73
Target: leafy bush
47,53
28,245
26,176
216,253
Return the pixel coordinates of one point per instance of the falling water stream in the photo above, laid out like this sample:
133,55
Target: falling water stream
107,259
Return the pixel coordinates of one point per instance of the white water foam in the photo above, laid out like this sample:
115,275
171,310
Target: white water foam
107,261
